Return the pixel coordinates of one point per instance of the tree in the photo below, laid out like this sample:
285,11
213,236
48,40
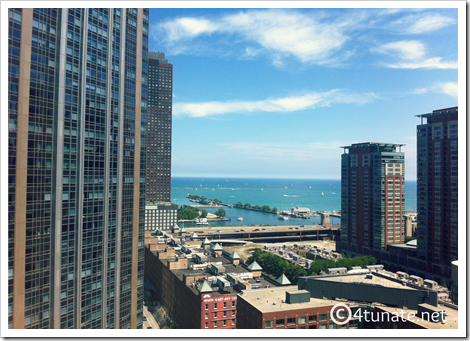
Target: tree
220,213
239,204
256,207
247,204
203,213
274,209
266,208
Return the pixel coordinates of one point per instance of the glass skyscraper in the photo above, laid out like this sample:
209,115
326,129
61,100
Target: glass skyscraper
78,88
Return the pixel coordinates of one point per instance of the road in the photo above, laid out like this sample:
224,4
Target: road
150,320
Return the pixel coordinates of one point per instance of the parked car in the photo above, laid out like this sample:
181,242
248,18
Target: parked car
271,230
263,229
220,231
242,230
236,231
323,227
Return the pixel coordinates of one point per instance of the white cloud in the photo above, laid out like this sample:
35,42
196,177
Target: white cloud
286,104
411,49
421,23
431,63
411,55
279,32
187,28
449,88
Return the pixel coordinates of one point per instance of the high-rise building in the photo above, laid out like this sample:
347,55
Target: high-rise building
372,197
76,167
159,128
437,148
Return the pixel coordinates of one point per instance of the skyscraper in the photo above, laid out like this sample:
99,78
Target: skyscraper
76,167
437,231
159,128
372,197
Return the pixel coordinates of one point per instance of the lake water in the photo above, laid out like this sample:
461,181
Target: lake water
281,193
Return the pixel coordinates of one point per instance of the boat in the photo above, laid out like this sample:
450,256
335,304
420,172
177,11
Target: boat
322,193
333,193
283,217
240,219
175,199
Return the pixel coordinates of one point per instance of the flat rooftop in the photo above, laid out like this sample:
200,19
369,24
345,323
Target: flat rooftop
452,321
262,299
361,279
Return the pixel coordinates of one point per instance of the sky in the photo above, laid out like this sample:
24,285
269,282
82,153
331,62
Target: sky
274,93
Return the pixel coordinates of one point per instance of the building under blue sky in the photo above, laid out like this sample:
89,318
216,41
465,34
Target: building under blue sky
276,92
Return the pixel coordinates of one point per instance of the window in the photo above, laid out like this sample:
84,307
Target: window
268,324
207,316
312,318
323,317
206,325
225,304
215,324
215,305
233,312
225,323
280,322
322,326
313,326
207,307
225,314
332,326
215,315
302,320
233,304
233,322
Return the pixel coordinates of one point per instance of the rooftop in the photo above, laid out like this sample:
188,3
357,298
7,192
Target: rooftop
262,299
452,321
361,279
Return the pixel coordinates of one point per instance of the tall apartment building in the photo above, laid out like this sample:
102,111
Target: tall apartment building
372,197
76,167
437,148
159,128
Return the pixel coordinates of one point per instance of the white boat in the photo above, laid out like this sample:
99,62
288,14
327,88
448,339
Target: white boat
283,217
240,219
175,199
322,193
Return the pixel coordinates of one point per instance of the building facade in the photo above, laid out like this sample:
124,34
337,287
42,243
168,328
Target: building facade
159,128
77,156
271,309
437,151
161,216
372,197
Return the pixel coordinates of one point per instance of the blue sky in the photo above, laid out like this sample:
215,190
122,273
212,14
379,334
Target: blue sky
276,92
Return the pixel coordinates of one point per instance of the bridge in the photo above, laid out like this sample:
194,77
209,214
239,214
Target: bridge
325,217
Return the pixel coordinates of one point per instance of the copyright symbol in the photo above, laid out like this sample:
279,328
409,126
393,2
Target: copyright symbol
335,313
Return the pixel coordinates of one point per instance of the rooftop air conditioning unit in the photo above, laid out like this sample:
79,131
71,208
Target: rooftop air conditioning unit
274,303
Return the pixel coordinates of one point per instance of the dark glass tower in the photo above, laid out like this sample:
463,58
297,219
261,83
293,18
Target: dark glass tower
159,128
437,148
77,154
372,197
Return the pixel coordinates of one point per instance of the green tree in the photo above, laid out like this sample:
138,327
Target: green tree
203,214
443,283
274,209
257,207
266,208
220,213
247,204
239,204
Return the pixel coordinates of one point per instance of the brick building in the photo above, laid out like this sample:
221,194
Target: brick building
285,307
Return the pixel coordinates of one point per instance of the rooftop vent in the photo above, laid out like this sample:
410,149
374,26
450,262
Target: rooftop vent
274,303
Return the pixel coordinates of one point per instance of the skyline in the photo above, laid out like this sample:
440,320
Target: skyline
274,93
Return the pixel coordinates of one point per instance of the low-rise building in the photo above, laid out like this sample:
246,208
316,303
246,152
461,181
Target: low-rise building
160,216
285,307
